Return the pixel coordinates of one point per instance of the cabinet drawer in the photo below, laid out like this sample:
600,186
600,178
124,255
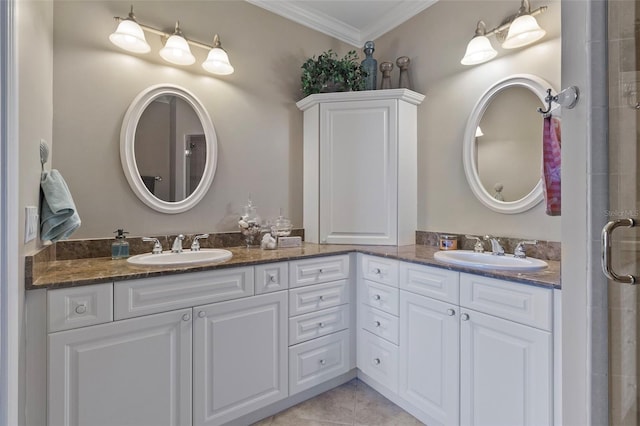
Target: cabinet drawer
380,269
313,298
318,270
272,277
378,359
379,323
521,303
379,296
75,307
440,284
309,326
318,360
150,295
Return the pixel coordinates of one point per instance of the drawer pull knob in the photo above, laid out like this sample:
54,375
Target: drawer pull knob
201,314
272,278
451,312
377,323
81,309
320,271
464,317
376,297
321,297
186,317
323,362
376,361
321,324
377,271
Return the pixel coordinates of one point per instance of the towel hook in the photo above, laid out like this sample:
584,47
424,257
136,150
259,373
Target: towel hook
44,153
567,98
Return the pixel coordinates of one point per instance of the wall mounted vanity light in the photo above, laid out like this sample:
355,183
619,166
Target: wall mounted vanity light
130,36
515,31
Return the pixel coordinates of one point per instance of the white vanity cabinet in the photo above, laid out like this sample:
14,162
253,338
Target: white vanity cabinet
506,353
360,170
131,372
319,321
471,350
240,357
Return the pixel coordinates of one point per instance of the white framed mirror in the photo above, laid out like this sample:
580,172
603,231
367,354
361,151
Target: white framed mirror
502,147
168,148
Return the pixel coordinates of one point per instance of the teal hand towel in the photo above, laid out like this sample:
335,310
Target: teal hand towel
58,215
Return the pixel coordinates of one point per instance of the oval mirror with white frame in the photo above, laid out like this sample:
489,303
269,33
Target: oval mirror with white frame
502,148
168,148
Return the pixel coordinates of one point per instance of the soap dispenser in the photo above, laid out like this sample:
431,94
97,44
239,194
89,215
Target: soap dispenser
120,247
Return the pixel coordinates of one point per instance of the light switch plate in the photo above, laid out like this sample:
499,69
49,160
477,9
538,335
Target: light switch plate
31,220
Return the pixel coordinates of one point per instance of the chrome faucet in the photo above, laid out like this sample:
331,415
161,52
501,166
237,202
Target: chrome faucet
195,246
157,247
519,251
478,247
496,248
177,244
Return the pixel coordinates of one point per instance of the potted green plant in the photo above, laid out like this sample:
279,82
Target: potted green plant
328,73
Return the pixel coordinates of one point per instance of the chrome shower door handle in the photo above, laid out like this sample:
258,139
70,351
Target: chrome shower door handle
607,231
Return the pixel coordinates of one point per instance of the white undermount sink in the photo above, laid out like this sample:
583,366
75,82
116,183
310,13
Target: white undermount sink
489,261
185,258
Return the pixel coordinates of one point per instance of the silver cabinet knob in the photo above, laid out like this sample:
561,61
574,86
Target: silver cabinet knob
272,278
377,323
320,271
201,314
81,309
323,362
321,297
186,317
321,324
376,361
377,271
376,297
451,312
464,317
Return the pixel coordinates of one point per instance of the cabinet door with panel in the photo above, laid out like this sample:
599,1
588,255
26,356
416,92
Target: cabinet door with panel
506,372
131,372
240,357
429,354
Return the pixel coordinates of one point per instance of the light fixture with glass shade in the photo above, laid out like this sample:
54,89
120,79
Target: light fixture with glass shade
130,36
217,61
479,49
524,30
176,50
515,31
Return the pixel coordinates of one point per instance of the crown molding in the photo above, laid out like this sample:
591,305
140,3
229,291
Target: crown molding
319,21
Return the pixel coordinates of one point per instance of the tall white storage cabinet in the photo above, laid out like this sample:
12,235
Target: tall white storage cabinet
360,168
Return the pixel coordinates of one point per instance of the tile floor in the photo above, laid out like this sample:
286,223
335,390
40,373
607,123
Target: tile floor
354,403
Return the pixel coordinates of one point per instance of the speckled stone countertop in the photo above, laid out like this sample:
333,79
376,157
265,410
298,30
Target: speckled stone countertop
76,272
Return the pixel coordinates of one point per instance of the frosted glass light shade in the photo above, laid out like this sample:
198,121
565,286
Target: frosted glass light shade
177,51
217,62
130,37
479,50
523,30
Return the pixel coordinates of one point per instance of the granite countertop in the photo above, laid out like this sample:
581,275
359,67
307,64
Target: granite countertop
76,272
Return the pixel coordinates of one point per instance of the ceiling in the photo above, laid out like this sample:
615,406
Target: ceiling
351,21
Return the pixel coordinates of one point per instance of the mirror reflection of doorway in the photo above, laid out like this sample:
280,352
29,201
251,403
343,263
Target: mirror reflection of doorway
195,147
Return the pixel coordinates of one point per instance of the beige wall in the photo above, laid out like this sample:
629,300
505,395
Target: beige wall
35,65
258,126
435,40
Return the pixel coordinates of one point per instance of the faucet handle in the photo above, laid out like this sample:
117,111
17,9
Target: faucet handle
195,246
157,247
519,251
478,247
